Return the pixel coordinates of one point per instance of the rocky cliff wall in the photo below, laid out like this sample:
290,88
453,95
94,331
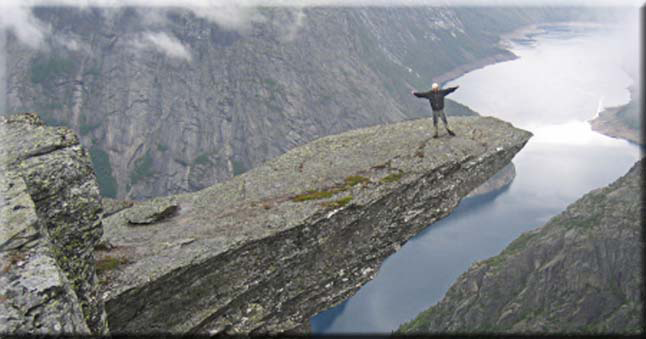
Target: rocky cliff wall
582,272
49,217
213,102
267,250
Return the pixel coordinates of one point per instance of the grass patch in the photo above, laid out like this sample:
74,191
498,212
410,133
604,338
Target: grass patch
315,195
338,203
355,180
109,263
392,177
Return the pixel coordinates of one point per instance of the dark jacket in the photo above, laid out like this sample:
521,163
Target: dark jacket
436,97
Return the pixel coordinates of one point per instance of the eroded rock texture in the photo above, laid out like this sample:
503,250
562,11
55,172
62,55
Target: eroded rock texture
49,215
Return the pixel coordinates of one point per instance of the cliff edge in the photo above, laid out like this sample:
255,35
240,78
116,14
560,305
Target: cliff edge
269,249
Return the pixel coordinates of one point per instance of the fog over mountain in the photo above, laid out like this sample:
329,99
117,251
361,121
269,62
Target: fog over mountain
179,96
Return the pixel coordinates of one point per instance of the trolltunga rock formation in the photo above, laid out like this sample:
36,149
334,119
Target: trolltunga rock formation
268,249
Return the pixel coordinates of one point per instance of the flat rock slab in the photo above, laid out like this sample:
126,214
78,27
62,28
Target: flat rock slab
270,248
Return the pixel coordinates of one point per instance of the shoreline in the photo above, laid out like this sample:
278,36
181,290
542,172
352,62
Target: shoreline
607,123
505,43
472,66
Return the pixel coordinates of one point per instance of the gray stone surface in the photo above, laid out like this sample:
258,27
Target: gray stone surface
253,255
579,273
496,183
146,214
49,213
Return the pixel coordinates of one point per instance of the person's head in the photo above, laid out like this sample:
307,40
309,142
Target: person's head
435,86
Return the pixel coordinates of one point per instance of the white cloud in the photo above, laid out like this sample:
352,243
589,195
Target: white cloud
292,29
20,21
16,16
164,43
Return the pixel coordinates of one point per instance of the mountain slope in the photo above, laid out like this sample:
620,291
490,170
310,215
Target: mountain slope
579,273
168,102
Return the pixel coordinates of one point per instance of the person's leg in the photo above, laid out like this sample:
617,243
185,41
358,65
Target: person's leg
446,124
435,123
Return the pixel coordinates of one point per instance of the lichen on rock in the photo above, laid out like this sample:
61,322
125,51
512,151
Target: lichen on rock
50,209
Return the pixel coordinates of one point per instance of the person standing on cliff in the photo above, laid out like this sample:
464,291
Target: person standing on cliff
436,97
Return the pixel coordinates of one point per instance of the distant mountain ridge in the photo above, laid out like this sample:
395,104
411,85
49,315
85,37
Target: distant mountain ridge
168,102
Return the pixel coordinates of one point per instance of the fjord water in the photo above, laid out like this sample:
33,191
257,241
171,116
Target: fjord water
563,76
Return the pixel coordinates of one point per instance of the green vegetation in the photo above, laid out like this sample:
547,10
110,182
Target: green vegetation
46,68
93,71
520,242
355,180
313,195
338,203
162,147
143,168
393,177
419,324
238,167
495,261
203,159
86,127
103,169
109,263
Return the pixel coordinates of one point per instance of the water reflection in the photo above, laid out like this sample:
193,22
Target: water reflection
559,82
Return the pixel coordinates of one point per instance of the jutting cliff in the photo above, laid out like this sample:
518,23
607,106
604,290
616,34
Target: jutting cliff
269,249
262,252
582,272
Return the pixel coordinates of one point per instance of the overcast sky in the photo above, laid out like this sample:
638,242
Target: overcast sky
192,3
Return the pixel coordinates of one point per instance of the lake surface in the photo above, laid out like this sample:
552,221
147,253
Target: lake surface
564,75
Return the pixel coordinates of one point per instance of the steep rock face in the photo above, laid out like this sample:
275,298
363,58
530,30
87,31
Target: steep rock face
159,123
49,216
267,250
580,273
496,183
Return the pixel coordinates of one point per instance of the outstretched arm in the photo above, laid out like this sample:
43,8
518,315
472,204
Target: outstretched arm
421,94
450,90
